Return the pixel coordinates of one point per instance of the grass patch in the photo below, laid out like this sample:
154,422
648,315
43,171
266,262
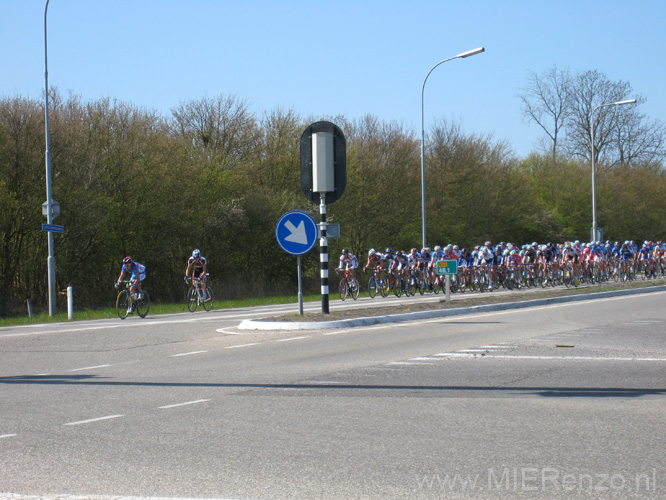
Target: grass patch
110,312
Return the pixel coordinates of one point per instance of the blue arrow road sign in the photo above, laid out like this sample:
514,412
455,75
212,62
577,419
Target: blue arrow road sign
53,228
296,232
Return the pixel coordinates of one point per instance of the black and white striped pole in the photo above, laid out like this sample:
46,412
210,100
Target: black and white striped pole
323,180
323,255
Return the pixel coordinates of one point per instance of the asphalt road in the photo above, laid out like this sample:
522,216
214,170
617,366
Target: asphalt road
562,401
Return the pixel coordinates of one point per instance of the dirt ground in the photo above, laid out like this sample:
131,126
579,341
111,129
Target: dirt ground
400,305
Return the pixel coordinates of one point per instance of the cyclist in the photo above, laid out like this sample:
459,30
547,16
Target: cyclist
645,256
196,269
486,258
377,261
137,274
350,262
415,259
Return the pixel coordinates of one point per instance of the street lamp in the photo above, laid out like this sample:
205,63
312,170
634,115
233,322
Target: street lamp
594,189
423,185
49,195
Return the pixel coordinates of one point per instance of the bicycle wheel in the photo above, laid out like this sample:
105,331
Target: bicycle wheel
343,288
192,297
411,289
383,286
143,305
354,289
122,304
208,303
482,281
566,278
398,286
372,287
462,282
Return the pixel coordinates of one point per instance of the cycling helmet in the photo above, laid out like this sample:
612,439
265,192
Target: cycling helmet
437,248
456,247
389,250
371,252
127,260
196,253
345,251
414,250
399,254
506,252
487,243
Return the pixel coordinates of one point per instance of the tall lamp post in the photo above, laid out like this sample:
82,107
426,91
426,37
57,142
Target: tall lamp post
423,185
49,195
594,188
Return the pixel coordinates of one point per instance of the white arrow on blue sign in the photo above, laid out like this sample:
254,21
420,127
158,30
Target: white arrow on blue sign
296,232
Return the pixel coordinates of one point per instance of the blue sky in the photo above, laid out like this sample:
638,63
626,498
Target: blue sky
344,57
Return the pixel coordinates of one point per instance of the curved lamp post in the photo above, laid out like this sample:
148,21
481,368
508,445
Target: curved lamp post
594,189
423,186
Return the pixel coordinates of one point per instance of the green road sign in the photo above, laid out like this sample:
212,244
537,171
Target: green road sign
447,267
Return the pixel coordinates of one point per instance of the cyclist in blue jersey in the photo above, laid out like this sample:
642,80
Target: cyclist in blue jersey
137,274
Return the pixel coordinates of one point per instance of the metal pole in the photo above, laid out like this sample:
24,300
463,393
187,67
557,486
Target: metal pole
300,287
594,187
323,256
49,195
423,183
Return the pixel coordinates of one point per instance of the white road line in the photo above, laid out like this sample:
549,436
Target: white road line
294,338
241,345
17,496
565,358
91,420
408,363
88,368
184,404
187,353
3,436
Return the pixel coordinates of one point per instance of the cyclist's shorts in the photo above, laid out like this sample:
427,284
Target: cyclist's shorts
142,277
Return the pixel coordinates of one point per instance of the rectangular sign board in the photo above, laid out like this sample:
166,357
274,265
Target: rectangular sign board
447,267
53,228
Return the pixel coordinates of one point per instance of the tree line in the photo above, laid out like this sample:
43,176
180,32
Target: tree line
215,176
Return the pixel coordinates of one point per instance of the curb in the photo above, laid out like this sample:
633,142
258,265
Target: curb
250,324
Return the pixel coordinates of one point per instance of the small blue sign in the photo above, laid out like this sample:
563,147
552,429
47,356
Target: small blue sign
296,232
53,228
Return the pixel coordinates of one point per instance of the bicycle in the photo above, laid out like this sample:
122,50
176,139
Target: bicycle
348,286
378,283
127,302
195,295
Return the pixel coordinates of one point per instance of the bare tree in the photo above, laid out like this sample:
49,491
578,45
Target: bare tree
564,107
546,102
221,130
589,90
